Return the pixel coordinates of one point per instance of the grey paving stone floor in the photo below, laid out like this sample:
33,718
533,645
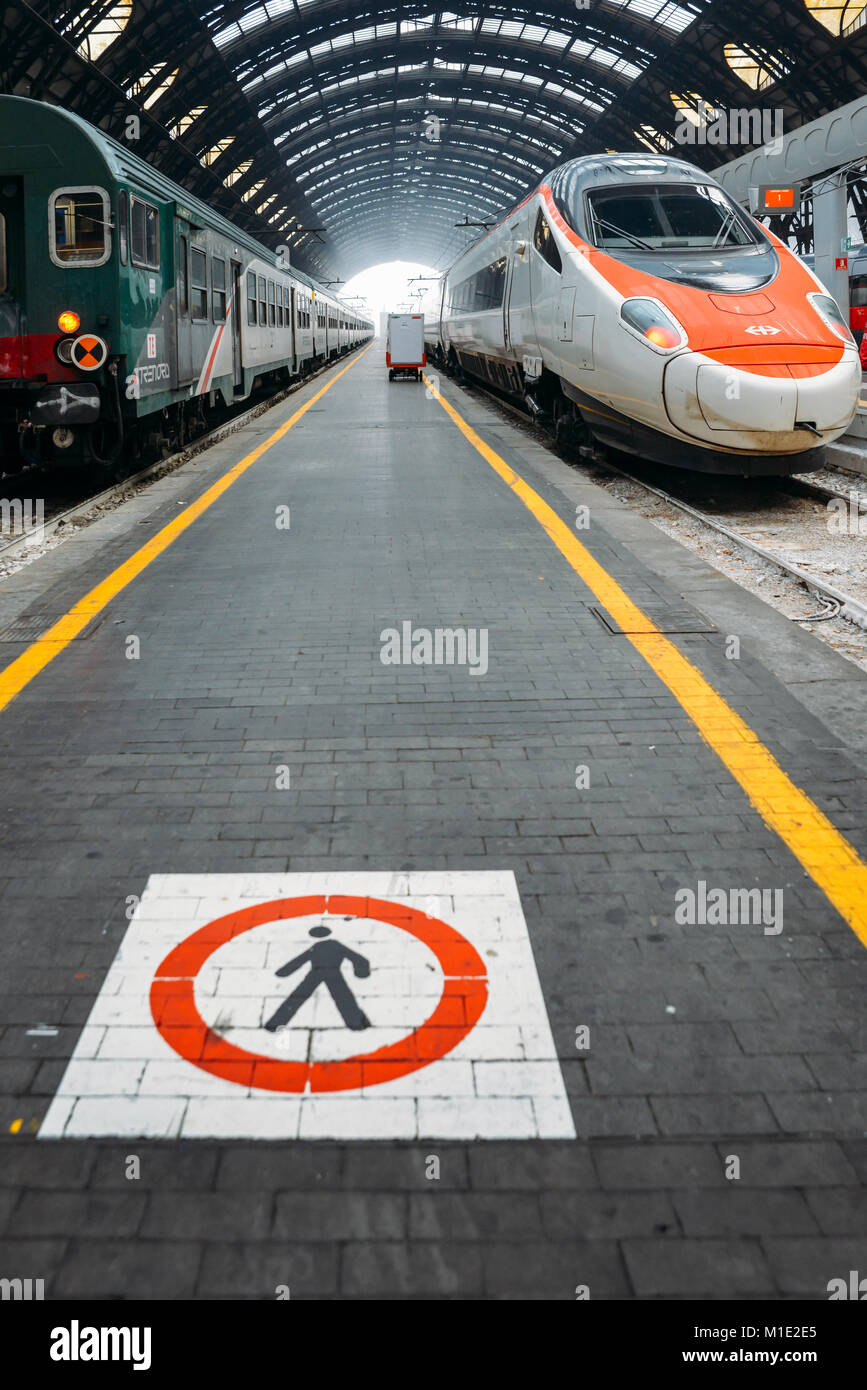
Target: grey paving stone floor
261,646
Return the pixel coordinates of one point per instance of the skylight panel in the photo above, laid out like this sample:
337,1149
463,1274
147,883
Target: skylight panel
412,26
662,12
253,18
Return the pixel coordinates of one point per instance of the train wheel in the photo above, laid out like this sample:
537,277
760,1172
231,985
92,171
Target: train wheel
10,454
570,431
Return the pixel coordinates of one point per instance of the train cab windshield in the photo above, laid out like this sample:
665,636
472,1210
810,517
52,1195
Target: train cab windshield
658,219
693,234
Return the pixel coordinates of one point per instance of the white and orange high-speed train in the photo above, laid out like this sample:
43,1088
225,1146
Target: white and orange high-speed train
631,302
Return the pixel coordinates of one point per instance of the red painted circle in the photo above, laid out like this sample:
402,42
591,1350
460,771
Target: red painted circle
461,1004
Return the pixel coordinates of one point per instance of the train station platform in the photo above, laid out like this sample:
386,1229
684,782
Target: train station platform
580,825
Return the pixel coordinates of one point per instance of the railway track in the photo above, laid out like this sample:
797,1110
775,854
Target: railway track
837,603
841,604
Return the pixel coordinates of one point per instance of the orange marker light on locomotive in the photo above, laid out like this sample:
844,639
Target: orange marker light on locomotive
650,321
663,337
68,321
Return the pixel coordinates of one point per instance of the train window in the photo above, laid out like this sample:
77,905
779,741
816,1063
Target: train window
218,286
543,240
2,253
123,225
279,306
272,315
144,222
484,290
199,283
858,291
251,297
287,304
79,221
263,302
181,277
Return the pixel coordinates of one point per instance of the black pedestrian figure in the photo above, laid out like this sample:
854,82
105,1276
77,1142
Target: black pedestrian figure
325,959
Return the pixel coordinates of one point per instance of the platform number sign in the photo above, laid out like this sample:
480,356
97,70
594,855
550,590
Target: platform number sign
767,200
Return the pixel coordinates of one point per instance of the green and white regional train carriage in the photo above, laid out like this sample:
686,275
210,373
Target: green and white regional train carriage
127,306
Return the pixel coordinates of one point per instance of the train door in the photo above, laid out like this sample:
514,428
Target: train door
237,362
566,313
507,295
545,282
12,294
294,333
517,331
183,322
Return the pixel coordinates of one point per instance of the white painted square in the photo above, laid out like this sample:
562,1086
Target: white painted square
494,1075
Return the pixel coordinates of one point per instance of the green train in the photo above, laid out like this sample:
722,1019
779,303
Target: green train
129,309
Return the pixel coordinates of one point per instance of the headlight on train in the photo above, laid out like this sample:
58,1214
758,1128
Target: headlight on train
829,312
68,321
63,351
653,324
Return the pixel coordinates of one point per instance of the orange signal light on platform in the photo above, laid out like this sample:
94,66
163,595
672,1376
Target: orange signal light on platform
68,321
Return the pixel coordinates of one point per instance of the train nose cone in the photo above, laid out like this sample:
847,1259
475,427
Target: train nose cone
726,406
733,400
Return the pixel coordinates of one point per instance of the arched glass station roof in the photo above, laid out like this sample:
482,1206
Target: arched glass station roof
356,133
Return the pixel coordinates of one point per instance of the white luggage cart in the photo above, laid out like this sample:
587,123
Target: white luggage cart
404,346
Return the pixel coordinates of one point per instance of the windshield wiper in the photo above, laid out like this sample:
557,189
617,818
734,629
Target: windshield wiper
620,231
724,229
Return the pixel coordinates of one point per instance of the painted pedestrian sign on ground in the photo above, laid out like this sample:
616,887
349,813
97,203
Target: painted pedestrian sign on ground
312,1006
325,959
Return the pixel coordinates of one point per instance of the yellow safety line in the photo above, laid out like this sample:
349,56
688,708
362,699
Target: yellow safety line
45,648
829,859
